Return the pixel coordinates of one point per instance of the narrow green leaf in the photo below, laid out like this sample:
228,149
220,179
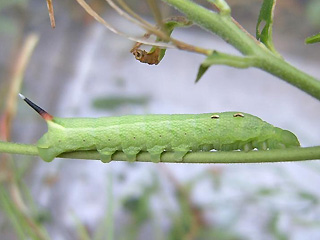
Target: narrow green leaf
313,39
229,60
266,18
218,58
201,71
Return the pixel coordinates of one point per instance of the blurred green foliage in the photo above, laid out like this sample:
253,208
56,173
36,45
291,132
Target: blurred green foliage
16,202
7,23
312,12
114,102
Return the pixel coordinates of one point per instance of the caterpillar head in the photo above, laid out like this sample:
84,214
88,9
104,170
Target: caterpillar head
287,138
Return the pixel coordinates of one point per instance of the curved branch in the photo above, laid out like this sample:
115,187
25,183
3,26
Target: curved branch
229,30
283,155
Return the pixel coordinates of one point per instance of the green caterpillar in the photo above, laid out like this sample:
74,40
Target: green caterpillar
155,134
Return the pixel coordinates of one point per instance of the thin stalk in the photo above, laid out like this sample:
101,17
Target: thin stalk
144,24
151,29
51,13
156,13
281,155
96,16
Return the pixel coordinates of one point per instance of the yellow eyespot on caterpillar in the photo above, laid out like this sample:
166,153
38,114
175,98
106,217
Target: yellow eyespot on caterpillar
238,115
215,116
156,133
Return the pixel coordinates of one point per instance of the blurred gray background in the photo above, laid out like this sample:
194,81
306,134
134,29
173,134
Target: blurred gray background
81,69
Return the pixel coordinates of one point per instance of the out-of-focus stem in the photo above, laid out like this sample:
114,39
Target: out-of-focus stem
16,80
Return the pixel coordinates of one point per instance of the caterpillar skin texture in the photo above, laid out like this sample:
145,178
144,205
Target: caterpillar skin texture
155,134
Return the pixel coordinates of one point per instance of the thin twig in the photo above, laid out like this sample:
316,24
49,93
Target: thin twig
90,11
176,43
51,13
179,44
140,22
156,13
133,13
147,26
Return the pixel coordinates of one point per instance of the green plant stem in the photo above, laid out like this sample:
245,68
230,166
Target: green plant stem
229,30
282,69
17,148
222,25
283,155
